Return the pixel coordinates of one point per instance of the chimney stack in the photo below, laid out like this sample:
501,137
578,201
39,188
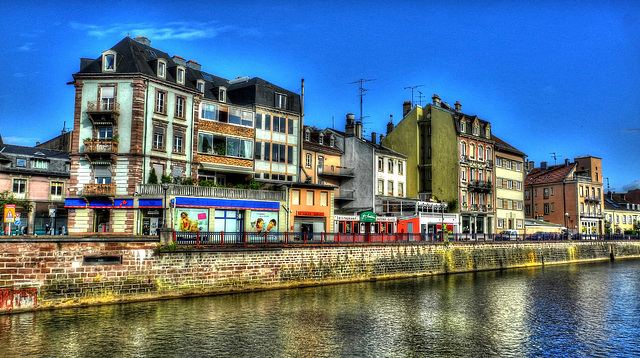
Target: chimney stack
543,165
143,40
390,124
381,138
179,60
193,64
359,129
566,162
458,106
436,100
406,108
373,137
350,127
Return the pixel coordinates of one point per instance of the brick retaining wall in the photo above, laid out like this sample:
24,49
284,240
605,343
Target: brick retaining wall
64,276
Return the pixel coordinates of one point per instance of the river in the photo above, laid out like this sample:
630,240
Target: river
581,310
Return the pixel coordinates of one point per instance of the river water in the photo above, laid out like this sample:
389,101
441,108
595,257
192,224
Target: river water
586,310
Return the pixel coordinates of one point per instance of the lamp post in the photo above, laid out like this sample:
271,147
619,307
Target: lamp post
566,222
165,187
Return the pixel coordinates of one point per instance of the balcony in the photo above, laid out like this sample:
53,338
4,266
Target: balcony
211,192
464,159
332,171
347,195
99,190
103,112
100,146
592,198
592,214
480,186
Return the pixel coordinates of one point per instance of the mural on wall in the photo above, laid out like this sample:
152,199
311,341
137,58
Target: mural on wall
264,221
192,219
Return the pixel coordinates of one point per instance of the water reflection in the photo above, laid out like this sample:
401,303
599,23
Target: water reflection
568,311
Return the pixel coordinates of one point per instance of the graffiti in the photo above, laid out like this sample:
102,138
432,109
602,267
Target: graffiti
25,298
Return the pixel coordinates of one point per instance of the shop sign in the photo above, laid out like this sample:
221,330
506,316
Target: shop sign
345,218
389,219
153,212
368,217
310,213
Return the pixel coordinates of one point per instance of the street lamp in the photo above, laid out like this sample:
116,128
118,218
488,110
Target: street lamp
165,187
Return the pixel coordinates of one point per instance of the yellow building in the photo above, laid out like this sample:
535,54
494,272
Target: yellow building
620,215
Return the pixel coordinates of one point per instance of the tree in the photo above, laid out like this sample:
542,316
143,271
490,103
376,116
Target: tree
7,197
153,177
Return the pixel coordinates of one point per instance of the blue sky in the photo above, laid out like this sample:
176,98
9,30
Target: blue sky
552,77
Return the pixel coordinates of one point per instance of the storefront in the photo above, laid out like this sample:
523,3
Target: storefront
107,216
228,215
149,215
429,223
367,222
309,222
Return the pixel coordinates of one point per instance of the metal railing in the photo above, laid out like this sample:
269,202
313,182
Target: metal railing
282,239
100,146
213,192
99,190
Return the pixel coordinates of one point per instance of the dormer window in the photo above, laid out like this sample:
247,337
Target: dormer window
476,130
222,94
281,100
200,86
162,66
321,139
307,135
180,75
332,141
462,123
109,61
488,132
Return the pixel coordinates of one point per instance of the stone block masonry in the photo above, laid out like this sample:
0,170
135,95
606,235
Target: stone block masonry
98,272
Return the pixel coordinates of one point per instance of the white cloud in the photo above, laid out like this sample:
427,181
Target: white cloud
26,47
633,185
173,30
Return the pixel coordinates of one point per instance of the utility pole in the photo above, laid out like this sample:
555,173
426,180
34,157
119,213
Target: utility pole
412,88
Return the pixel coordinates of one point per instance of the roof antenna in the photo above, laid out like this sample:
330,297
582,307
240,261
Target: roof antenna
412,88
362,90
555,157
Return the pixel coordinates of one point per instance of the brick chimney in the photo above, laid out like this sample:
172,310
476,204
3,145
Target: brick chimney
458,106
390,124
143,40
436,100
406,108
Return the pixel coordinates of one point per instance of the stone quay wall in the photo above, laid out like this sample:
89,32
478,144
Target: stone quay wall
41,274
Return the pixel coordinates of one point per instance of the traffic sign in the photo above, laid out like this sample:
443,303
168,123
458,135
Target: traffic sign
17,222
9,213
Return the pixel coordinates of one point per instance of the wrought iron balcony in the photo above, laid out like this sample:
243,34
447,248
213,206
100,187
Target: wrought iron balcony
99,190
480,185
100,146
103,112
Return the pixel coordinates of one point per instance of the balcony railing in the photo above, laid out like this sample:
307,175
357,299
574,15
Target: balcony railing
464,159
345,195
100,147
480,185
332,170
103,112
211,192
99,190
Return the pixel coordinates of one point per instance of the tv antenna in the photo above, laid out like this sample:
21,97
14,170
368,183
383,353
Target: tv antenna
420,96
412,88
362,91
555,157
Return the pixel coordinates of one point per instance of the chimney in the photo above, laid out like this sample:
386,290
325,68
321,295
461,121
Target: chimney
436,100
530,165
350,127
359,129
406,108
543,165
37,144
458,107
381,138
566,162
390,124
179,60
373,137
143,40
193,64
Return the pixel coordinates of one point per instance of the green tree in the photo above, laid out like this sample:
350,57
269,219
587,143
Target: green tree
153,177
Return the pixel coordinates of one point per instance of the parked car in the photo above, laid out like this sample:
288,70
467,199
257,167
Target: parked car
541,236
506,235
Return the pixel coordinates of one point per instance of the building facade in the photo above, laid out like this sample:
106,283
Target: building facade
510,175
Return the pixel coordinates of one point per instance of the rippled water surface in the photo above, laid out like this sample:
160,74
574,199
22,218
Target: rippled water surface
588,310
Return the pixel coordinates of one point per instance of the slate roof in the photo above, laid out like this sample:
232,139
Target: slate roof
314,144
134,57
506,147
553,174
616,202
34,152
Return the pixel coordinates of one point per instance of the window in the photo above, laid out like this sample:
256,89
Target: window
581,190
321,139
498,162
39,164
308,161
102,173
307,135
527,209
107,98
57,188
390,166
161,102
519,205
222,94
180,102
553,207
489,154
332,141
289,154
21,162
472,151
236,147
237,116
500,223
551,191
109,61
200,86
463,148
19,186
180,75
295,197
209,112
508,164
178,171
535,192
104,133
462,125
267,122
258,151
380,186
258,120
324,198
281,100
476,130
519,166
463,175
390,187
158,137
161,68
480,153
178,140
380,165
400,189
545,193
309,197
400,167
509,184
519,185
546,208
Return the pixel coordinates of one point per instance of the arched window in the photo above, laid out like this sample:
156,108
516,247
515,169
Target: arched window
472,150
480,153
463,148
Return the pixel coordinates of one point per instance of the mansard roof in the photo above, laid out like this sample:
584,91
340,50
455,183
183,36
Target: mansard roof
137,58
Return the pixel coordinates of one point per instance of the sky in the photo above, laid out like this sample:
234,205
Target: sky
554,78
